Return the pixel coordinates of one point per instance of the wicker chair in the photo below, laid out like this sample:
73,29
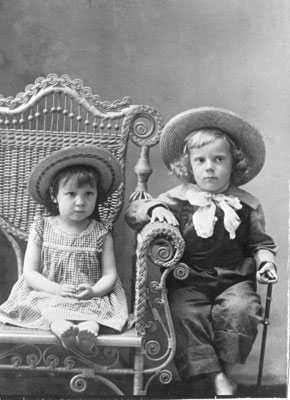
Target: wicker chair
57,112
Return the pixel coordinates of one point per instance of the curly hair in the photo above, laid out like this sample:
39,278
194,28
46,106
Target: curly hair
81,175
182,167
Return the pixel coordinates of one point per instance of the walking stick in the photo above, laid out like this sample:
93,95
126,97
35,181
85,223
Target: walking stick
266,322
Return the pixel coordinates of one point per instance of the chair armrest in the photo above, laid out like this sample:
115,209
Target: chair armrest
163,245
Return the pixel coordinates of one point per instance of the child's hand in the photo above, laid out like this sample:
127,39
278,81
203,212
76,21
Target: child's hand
84,292
267,274
66,290
162,214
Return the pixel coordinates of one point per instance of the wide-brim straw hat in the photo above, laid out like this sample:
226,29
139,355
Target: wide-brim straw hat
106,164
244,134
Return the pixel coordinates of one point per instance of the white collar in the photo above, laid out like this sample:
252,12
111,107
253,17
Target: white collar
179,192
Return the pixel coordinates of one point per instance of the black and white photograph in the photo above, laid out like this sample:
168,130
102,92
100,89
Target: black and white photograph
144,199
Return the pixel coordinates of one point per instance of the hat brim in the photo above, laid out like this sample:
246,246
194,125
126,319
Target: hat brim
106,164
245,135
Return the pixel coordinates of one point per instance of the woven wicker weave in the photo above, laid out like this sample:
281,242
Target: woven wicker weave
53,118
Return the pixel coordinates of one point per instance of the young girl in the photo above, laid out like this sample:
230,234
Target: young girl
70,283
216,309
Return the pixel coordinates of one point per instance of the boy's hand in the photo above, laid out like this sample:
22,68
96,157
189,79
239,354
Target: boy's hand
163,215
267,274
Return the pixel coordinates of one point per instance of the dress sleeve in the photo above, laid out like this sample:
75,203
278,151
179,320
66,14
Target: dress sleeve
36,230
102,228
105,227
261,244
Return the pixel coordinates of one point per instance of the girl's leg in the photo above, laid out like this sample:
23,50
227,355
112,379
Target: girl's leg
87,334
66,331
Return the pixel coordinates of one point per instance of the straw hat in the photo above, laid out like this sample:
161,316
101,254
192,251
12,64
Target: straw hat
245,135
106,165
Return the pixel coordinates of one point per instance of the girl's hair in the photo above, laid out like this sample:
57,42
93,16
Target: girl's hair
81,175
182,167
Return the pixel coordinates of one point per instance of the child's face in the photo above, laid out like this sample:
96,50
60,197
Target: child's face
212,166
76,203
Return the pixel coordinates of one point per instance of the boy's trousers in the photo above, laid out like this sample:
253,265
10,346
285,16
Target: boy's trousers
213,326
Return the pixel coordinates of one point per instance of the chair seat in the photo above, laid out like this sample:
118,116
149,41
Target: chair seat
15,334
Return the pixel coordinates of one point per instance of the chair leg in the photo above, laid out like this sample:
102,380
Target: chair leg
139,372
264,336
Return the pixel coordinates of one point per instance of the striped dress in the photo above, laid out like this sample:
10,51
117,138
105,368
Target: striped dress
71,259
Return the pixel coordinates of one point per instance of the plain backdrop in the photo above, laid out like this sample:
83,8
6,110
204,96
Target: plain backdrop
173,55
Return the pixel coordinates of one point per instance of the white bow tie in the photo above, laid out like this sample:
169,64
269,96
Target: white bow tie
204,218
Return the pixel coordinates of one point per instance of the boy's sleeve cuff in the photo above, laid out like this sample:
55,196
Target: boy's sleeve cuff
263,256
